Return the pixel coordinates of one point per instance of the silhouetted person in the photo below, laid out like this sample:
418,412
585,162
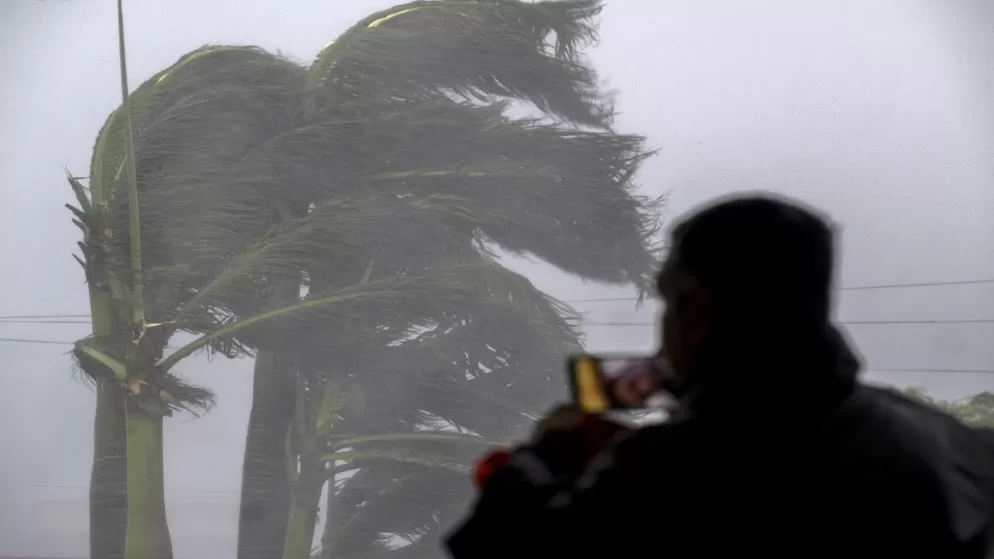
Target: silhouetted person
778,451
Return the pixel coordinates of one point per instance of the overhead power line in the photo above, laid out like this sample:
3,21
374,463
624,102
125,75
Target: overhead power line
849,288
933,371
40,316
59,317
868,369
965,321
584,323
920,284
25,341
35,321
856,322
596,324
84,487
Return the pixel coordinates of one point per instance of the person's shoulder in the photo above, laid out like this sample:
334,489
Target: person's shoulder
891,421
936,428
949,454
924,421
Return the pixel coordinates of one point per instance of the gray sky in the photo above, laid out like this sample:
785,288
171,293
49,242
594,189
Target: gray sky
879,112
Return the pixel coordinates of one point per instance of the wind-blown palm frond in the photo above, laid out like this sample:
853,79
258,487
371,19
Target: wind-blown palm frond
185,163
209,66
407,501
391,305
447,451
194,122
481,374
472,48
538,188
484,375
166,392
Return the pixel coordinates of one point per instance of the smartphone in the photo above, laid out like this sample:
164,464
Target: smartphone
602,383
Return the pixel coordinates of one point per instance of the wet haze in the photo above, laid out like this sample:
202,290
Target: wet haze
878,112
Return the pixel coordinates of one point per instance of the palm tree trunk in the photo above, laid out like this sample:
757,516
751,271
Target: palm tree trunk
266,488
303,513
336,511
108,476
328,534
265,497
148,531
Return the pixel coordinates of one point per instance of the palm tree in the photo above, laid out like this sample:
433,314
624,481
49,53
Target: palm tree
373,183
140,298
548,189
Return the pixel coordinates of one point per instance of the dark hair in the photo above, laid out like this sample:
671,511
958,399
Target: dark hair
764,260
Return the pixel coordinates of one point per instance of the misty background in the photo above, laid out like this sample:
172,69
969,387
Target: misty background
879,112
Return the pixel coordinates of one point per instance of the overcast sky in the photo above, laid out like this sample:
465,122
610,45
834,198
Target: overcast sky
879,112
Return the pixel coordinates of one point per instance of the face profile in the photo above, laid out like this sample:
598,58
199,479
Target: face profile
631,383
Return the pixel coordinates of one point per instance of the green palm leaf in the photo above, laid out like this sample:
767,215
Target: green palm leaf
410,501
395,303
476,49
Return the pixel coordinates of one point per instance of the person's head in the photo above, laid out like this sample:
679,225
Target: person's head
747,278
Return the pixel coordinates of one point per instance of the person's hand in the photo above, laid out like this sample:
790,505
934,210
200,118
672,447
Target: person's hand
567,439
562,418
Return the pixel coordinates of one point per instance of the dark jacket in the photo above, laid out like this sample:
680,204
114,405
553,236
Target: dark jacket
860,472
